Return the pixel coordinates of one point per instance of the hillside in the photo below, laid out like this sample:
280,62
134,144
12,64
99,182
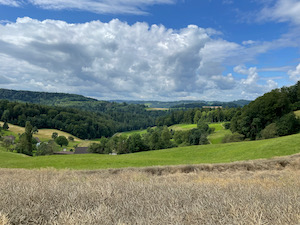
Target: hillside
187,104
218,153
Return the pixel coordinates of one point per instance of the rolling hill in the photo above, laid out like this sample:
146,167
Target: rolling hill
218,153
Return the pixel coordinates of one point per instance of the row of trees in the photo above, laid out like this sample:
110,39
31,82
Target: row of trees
154,139
195,115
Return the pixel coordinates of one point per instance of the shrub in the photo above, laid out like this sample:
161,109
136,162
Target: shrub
226,126
270,131
288,124
235,137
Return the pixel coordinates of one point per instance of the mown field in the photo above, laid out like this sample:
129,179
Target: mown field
260,192
218,153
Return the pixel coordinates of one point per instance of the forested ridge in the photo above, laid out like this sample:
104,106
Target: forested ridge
74,113
83,124
270,115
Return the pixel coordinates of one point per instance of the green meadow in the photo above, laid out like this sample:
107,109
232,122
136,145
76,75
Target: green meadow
217,153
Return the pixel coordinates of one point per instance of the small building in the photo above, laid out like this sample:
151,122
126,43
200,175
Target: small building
212,107
81,150
37,139
63,153
10,137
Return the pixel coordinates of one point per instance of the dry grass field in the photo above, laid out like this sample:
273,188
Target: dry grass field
254,192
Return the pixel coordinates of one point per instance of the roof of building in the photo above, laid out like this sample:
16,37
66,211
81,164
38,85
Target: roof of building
81,150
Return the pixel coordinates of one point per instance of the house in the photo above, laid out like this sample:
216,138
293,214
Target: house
37,139
11,138
81,150
212,107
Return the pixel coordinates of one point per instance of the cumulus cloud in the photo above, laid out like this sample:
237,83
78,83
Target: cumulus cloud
295,74
96,6
251,83
119,61
282,11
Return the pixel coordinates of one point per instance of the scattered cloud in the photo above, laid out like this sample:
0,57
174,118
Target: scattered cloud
295,74
137,7
14,3
249,42
281,11
251,84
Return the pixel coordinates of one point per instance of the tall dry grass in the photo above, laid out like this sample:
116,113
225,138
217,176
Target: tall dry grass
140,196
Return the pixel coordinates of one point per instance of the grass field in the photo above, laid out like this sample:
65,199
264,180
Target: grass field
219,134
297,113
45,135
218,153
183,126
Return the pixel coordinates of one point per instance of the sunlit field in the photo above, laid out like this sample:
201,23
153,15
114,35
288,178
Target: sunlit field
262,192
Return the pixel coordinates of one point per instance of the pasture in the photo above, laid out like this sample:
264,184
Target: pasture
217,153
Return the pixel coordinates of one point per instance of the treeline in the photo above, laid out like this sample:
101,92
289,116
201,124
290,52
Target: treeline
270,115
233,104
195,115
155,139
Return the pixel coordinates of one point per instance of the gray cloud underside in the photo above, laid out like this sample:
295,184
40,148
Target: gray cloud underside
116,60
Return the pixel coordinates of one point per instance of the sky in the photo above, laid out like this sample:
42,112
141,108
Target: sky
164,50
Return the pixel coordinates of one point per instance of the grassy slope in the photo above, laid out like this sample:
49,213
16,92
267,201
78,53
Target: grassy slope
45,135
297,113
218,135
217,153
215,138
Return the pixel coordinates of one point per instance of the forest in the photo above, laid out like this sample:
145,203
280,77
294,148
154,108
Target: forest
81,123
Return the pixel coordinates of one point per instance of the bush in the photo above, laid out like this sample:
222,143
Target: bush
235,137
46,149
226,126
270,131
288,124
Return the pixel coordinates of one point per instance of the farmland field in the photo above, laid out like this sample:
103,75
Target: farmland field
258,192
218,153
45,135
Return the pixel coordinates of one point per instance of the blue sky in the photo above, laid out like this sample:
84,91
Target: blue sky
152,49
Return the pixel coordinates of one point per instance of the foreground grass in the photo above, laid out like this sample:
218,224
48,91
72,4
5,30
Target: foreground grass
136,197
218,153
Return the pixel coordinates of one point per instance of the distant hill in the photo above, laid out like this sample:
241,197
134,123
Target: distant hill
45,98
187,104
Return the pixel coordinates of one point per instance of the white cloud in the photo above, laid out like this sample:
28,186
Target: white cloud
251,83
14,3
249,42
282,11
116,60
96,6
295,74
